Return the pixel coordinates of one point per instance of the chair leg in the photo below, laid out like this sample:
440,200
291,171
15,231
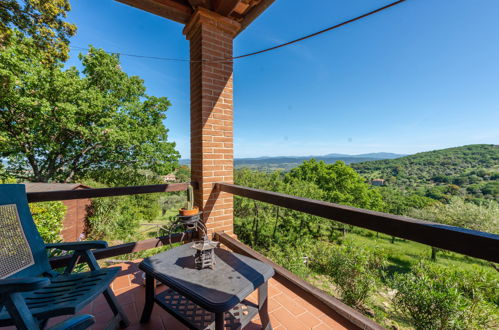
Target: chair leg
19,312
43,323
116,308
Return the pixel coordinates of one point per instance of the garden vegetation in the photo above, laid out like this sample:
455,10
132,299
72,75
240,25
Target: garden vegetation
399,283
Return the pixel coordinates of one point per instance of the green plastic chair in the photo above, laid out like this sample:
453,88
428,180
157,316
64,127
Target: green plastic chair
31,292
79,322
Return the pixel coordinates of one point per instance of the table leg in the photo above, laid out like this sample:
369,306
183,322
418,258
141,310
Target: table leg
219,321
263,306
149,303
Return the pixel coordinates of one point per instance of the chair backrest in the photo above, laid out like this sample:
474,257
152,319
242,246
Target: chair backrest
22,250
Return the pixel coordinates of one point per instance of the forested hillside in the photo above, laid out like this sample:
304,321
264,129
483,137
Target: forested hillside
472,171
387,278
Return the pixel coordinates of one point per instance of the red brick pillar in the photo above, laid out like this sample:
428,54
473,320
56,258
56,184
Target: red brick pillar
210,36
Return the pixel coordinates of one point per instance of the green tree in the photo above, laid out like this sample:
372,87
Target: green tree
40,20
118,218
59,124
183,174
400,202
459,213
483,217
340,183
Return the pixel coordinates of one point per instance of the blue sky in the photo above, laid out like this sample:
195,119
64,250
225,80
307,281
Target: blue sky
423,75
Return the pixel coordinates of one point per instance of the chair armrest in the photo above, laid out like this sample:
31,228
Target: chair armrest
22,284
77,246
79,322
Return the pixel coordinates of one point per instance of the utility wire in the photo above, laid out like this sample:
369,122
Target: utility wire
323,31
140,56
230,59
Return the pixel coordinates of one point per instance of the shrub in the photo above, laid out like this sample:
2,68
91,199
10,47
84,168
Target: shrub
354,270
48,217
434,297
118,218
293,258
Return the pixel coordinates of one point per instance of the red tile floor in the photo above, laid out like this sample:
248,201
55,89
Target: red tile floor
286,309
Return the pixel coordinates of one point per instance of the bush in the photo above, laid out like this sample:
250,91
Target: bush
48,217
434,297
354,270
293,258
118,218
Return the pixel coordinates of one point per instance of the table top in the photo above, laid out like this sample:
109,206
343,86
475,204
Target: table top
216,290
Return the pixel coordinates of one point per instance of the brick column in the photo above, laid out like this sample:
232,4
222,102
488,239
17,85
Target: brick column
210,36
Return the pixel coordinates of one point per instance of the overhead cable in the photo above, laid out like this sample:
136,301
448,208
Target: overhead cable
230,59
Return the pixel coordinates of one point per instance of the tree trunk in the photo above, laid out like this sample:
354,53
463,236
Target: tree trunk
434,253
276,222
255,233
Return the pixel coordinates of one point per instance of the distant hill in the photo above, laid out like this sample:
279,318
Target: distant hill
288,162
473,168
374,156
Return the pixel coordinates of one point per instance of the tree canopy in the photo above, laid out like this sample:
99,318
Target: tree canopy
59,124
470,171
340,183
40,20
483,217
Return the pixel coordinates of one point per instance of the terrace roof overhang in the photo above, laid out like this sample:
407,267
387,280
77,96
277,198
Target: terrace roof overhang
242,11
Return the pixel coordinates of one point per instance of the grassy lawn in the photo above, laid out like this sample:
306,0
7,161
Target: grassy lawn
403,253
145,232
165,220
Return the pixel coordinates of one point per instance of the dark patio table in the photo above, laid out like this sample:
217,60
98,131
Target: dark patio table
207,298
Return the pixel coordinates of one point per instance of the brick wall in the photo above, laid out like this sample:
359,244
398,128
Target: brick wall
210,37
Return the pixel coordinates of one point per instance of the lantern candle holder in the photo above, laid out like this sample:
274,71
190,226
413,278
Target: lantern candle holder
205,248
205,253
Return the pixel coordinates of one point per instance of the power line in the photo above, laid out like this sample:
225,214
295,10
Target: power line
230,59
139,56
323,31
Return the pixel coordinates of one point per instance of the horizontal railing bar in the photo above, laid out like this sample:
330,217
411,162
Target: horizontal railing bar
116,250
469,242
317,297
61,195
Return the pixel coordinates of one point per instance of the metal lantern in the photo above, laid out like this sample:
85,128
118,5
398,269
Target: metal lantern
205,253
205,248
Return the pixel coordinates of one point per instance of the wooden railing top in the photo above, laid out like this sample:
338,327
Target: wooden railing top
60,195
469,242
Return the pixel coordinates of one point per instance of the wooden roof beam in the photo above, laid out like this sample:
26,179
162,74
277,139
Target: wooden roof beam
200,3
255,12
225,7
165,8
